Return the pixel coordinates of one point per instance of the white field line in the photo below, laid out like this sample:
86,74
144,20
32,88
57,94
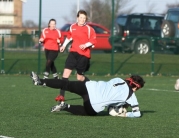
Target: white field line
161,90
1,136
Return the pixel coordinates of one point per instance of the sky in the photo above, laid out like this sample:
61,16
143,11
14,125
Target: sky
58,9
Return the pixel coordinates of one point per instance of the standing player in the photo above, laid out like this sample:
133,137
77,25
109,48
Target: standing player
98,94
50,38
83,37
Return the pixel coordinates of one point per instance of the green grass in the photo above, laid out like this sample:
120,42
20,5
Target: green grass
25,112
164,64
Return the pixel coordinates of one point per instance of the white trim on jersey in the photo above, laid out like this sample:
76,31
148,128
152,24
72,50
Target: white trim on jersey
43,32
66,41
88,44
59,33
89,32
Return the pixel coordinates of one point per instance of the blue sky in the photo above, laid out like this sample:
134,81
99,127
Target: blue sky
62,8
56,9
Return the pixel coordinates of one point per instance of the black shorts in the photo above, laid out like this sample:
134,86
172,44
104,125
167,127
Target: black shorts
51,54
78,62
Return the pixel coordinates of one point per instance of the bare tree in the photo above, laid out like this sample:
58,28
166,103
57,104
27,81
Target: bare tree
30,24
99,11
44,24
172,6
124,7
72,17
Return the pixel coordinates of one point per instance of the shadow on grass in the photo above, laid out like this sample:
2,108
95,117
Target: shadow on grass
146,112
101,114
105,113
11,67
159,68
122,64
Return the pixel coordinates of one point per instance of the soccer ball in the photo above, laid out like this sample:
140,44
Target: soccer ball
177,85
115,111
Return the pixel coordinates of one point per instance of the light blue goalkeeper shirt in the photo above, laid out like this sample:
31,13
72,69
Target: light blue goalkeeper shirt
113,92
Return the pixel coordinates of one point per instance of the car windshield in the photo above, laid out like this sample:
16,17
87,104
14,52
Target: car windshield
66,27
173,16
121,20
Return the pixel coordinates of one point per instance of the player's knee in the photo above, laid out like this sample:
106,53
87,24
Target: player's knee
80,77
66,73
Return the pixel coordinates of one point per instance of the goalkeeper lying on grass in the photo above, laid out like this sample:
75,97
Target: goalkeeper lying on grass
97,95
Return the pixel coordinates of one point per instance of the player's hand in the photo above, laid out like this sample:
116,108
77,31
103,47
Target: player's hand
82,47
41,40
62,48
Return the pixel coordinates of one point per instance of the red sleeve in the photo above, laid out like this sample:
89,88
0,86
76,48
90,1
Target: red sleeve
92,38
59,35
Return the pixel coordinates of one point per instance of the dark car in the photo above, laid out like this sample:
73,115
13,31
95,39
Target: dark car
102,36
170,30
133,32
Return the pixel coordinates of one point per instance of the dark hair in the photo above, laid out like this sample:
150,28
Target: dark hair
135,81
50,21
82,12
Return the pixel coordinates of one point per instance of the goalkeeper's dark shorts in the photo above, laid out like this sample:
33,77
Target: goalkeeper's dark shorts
78,62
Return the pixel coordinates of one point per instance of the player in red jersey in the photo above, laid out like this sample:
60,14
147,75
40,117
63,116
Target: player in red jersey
50,38
83,37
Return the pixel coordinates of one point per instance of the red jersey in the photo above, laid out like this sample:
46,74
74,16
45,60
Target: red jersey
50,38
81,35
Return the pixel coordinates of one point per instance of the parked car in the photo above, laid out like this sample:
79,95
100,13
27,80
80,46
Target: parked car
102,36
133,32
170,30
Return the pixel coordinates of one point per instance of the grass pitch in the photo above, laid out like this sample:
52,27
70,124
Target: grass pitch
101,64
25,112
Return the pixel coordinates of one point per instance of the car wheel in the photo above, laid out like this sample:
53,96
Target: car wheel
142,47
168,29
118,30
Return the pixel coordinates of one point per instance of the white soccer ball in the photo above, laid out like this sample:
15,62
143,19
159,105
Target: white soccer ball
115,111
177,85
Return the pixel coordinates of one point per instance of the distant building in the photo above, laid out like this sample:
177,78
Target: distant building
11,26
11,17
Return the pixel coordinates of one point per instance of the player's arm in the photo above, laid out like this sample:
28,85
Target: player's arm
132,101
42,36
59,37
92,38
67,40
135,112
